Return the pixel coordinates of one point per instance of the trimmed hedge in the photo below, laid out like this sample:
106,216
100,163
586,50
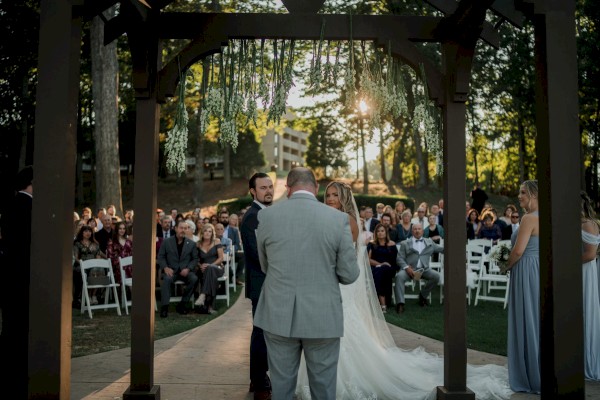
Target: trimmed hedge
371,201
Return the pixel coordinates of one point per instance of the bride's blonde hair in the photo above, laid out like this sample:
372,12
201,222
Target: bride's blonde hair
345,196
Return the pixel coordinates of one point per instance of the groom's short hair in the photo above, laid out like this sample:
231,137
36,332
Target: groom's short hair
253,178
301,176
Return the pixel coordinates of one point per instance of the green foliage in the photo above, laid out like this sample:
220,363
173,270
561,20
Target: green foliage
324,148
249,156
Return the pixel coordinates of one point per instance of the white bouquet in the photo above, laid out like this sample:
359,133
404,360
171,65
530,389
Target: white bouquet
500,254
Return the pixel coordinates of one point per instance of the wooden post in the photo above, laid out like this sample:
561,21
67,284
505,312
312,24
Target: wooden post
53,202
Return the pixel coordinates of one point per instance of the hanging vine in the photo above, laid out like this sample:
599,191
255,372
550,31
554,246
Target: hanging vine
246,73
177,137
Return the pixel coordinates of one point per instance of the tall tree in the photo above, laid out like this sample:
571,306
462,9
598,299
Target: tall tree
323,152
105,81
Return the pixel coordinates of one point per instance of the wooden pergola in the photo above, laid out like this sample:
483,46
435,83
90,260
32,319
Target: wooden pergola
146,25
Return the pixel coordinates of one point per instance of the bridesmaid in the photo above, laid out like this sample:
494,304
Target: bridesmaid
591,307
524,297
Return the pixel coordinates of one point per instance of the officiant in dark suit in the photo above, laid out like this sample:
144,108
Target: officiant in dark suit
413,257
262,191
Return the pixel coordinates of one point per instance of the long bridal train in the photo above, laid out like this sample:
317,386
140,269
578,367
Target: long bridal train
371,366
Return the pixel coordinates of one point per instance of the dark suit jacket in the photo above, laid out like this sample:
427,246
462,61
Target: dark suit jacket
254,275
440,219
159,232
103,236
234,235
374,223
168,256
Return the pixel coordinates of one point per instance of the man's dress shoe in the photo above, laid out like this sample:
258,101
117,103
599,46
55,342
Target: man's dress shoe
262,395
399,308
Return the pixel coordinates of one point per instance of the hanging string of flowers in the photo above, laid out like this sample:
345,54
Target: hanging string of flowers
177,137
245,73
425,115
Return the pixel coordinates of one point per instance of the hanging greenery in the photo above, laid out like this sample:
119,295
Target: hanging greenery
426,118
177,137
245,74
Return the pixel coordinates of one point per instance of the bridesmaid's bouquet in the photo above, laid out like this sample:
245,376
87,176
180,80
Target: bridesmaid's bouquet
499,254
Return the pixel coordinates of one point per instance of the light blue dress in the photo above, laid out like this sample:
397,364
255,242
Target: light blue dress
524,319
591,313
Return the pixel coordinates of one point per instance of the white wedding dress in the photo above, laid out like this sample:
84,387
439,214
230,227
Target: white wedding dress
372,367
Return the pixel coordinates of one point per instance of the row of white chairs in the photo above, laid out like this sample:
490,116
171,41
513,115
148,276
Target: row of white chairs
105,281
483,274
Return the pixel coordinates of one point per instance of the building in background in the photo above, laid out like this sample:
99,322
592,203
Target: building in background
286,149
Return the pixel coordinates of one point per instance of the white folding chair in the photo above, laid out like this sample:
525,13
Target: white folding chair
224,279
127,283
103,280
488,275
231,259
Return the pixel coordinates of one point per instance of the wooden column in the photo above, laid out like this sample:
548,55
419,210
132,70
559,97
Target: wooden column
558,149
53,202
457,67
145,53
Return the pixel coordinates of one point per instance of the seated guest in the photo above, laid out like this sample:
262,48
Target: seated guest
85,247
508,212
413,258
210,255
225,242
512,227
473,224
190,233
177,260
103,235
234,222
370,222
434,231
386,221
439,218
382,253
389,210
489,230
421,217
404,228
119,246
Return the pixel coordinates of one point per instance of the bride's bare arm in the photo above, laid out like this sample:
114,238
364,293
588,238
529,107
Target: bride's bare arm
353,227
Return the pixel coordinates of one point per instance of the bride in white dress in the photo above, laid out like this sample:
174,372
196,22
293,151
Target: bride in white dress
370,365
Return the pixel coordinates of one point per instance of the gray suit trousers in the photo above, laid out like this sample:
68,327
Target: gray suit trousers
432,277
321,357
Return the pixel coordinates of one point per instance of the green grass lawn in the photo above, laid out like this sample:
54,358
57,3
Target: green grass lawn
108,331
486,322
486,325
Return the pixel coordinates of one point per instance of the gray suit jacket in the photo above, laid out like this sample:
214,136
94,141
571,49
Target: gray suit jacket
168,256
306,251
407,255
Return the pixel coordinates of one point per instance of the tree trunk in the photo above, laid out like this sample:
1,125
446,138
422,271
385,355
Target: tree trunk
475,165
397,173
227,165
364,156
382,157
105,72
521,138
421,163
198,189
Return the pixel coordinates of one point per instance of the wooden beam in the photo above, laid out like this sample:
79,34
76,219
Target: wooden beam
51,276
457,61
558,140
450,7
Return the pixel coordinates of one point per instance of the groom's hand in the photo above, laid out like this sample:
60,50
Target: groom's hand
410,272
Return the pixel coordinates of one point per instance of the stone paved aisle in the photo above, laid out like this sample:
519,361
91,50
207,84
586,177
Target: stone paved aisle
211,362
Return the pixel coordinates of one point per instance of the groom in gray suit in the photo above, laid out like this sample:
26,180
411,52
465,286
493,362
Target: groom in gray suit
306,251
